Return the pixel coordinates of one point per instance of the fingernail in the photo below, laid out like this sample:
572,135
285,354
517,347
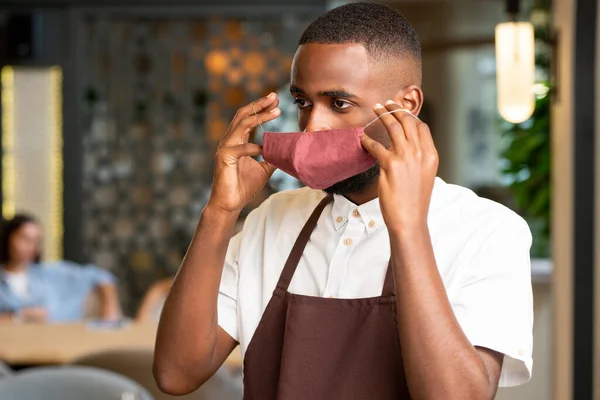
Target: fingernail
271,95
378,105
274,111
390,102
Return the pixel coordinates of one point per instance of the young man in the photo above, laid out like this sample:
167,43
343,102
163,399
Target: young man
450,318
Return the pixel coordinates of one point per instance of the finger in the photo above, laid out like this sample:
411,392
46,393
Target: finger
274,105
407,120
230,155
427,144
241,132
268,109
392,125
267,103
255,107
375,148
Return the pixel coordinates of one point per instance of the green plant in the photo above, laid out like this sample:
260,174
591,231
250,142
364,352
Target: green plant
527,163
527,166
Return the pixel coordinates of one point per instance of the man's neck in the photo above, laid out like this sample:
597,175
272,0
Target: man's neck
364,196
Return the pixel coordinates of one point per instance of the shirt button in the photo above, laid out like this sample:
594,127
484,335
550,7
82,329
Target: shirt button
348,241
339,220
521,352
355,214
372,224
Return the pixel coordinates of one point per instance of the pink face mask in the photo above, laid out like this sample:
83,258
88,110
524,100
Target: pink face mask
319,159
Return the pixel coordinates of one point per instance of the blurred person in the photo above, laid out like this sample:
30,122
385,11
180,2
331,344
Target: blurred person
387,283
32,291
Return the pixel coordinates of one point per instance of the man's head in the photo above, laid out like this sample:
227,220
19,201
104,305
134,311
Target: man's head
349,59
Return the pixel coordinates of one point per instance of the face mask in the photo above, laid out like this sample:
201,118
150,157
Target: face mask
320,159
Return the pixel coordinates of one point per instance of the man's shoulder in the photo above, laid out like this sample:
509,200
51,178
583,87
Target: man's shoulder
461,206
296,203
296,200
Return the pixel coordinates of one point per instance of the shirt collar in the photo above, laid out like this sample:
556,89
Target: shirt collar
370,212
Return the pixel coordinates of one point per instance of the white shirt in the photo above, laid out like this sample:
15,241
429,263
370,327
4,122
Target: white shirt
18,283
481,250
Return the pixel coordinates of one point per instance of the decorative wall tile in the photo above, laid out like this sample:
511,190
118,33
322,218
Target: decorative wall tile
157,96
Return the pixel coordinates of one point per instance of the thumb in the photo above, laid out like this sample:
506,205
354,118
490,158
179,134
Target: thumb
268,167
231,155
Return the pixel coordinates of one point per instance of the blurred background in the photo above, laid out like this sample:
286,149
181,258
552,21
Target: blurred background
111,112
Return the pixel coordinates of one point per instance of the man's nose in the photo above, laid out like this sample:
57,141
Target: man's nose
318,122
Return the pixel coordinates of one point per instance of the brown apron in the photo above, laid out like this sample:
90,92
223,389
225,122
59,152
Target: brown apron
313,348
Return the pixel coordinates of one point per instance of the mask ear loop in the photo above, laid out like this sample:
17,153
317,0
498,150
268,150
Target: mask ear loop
391,112
257,119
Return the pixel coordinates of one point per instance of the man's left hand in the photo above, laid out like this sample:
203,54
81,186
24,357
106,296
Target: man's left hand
408,168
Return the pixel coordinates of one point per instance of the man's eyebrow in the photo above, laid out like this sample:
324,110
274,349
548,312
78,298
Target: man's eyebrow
327,93
337,93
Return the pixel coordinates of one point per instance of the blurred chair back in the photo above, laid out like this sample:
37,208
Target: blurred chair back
5,370
72,383
93,305
137,365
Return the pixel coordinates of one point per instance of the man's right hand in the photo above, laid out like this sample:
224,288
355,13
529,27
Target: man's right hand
238,176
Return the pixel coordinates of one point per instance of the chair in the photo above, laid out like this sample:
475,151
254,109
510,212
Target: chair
136,364
5,370
154,300
92,307
72,383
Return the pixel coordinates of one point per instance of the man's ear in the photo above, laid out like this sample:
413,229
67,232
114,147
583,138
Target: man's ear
410,98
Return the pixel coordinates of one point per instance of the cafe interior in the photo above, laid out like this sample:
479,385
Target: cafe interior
111,113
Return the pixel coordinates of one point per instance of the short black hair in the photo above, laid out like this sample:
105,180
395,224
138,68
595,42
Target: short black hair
9,227
382,30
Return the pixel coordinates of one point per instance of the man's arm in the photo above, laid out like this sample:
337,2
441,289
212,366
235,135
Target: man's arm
190,345
439,360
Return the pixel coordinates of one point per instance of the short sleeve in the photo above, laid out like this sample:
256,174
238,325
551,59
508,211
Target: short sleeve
97,275
88,275
228,290
494,304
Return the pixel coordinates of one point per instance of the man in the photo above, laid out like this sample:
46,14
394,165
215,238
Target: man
451,318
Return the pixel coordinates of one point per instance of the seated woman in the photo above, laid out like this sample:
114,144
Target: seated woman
48,292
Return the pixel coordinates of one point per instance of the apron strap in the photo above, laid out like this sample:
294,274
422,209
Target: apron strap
301,242
388,283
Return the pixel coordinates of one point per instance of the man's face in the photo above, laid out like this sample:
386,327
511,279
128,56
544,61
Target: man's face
336,86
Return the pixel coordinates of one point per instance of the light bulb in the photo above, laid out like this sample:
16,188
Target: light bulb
515,70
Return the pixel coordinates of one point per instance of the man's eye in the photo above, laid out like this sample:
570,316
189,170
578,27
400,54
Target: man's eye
301,103
341,104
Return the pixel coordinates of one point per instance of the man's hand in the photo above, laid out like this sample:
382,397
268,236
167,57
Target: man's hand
239,177
408,168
